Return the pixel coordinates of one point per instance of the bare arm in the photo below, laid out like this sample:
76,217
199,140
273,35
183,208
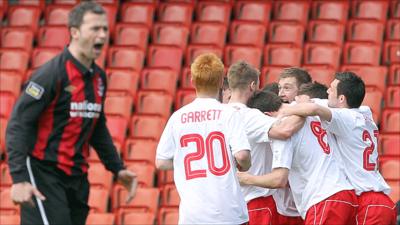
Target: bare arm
243,159
308,109
283,129
164,164
278,178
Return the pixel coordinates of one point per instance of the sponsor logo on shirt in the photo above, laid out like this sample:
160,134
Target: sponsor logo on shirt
34,90
100,89
85,109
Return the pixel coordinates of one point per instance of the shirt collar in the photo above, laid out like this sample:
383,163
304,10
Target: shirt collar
93,69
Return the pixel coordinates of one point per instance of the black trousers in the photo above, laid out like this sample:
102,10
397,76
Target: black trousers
66,197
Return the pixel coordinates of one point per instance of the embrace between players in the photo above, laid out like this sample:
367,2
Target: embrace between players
307,156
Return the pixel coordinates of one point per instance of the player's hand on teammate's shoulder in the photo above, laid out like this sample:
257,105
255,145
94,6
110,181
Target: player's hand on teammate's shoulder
129,180
22,193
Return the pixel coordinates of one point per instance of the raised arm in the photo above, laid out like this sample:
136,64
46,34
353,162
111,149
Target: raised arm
283,129
308,109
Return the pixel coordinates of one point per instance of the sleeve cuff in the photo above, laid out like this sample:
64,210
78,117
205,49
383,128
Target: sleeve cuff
20,176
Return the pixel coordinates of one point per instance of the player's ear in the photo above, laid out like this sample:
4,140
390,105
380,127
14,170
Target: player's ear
268,113
342,99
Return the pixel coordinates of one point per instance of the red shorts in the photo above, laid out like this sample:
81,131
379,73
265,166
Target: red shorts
262,210
340,208
376,208
290,220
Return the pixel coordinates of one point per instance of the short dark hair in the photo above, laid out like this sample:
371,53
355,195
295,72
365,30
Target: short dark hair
301,76
75,17
225,84
314,90
272,87
352,87
265,101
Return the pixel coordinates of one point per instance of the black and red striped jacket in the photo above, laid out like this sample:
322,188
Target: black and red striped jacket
58,115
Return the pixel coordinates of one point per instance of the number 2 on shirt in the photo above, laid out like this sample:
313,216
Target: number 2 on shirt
366,136
205,147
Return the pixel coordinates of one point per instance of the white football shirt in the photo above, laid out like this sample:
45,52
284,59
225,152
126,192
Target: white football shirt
202,138
314,174
257,126
355,133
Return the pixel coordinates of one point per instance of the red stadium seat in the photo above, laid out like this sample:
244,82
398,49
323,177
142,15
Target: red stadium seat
282,55
235,53
170,34
165,177
369,9
326,32
208,33
125,57
5,177
286,32
213,12
136,218
393,30
17,38
122,82
394,74
10,219
56,14
388,144
395,9
184,97
53,36
390,168
270,74
119,106
145,172
145,198
391,120
100,219
66,2
249,33
197,49
391,52
99,177
41,55
127,34
14,59
132,12
6,204
326,54
111,12
169,196
3,126
392,96
322,74
177,12
186,80
365,30
330,10
168,215
117,126
98,199
140,149
147,126
154,102
159,79
291,10
24,16
165,56
256,11
40,4
7,101
10,84
361,53
373,98
371,75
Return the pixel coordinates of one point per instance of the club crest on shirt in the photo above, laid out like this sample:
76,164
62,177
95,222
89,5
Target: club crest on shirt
100,88
34,90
